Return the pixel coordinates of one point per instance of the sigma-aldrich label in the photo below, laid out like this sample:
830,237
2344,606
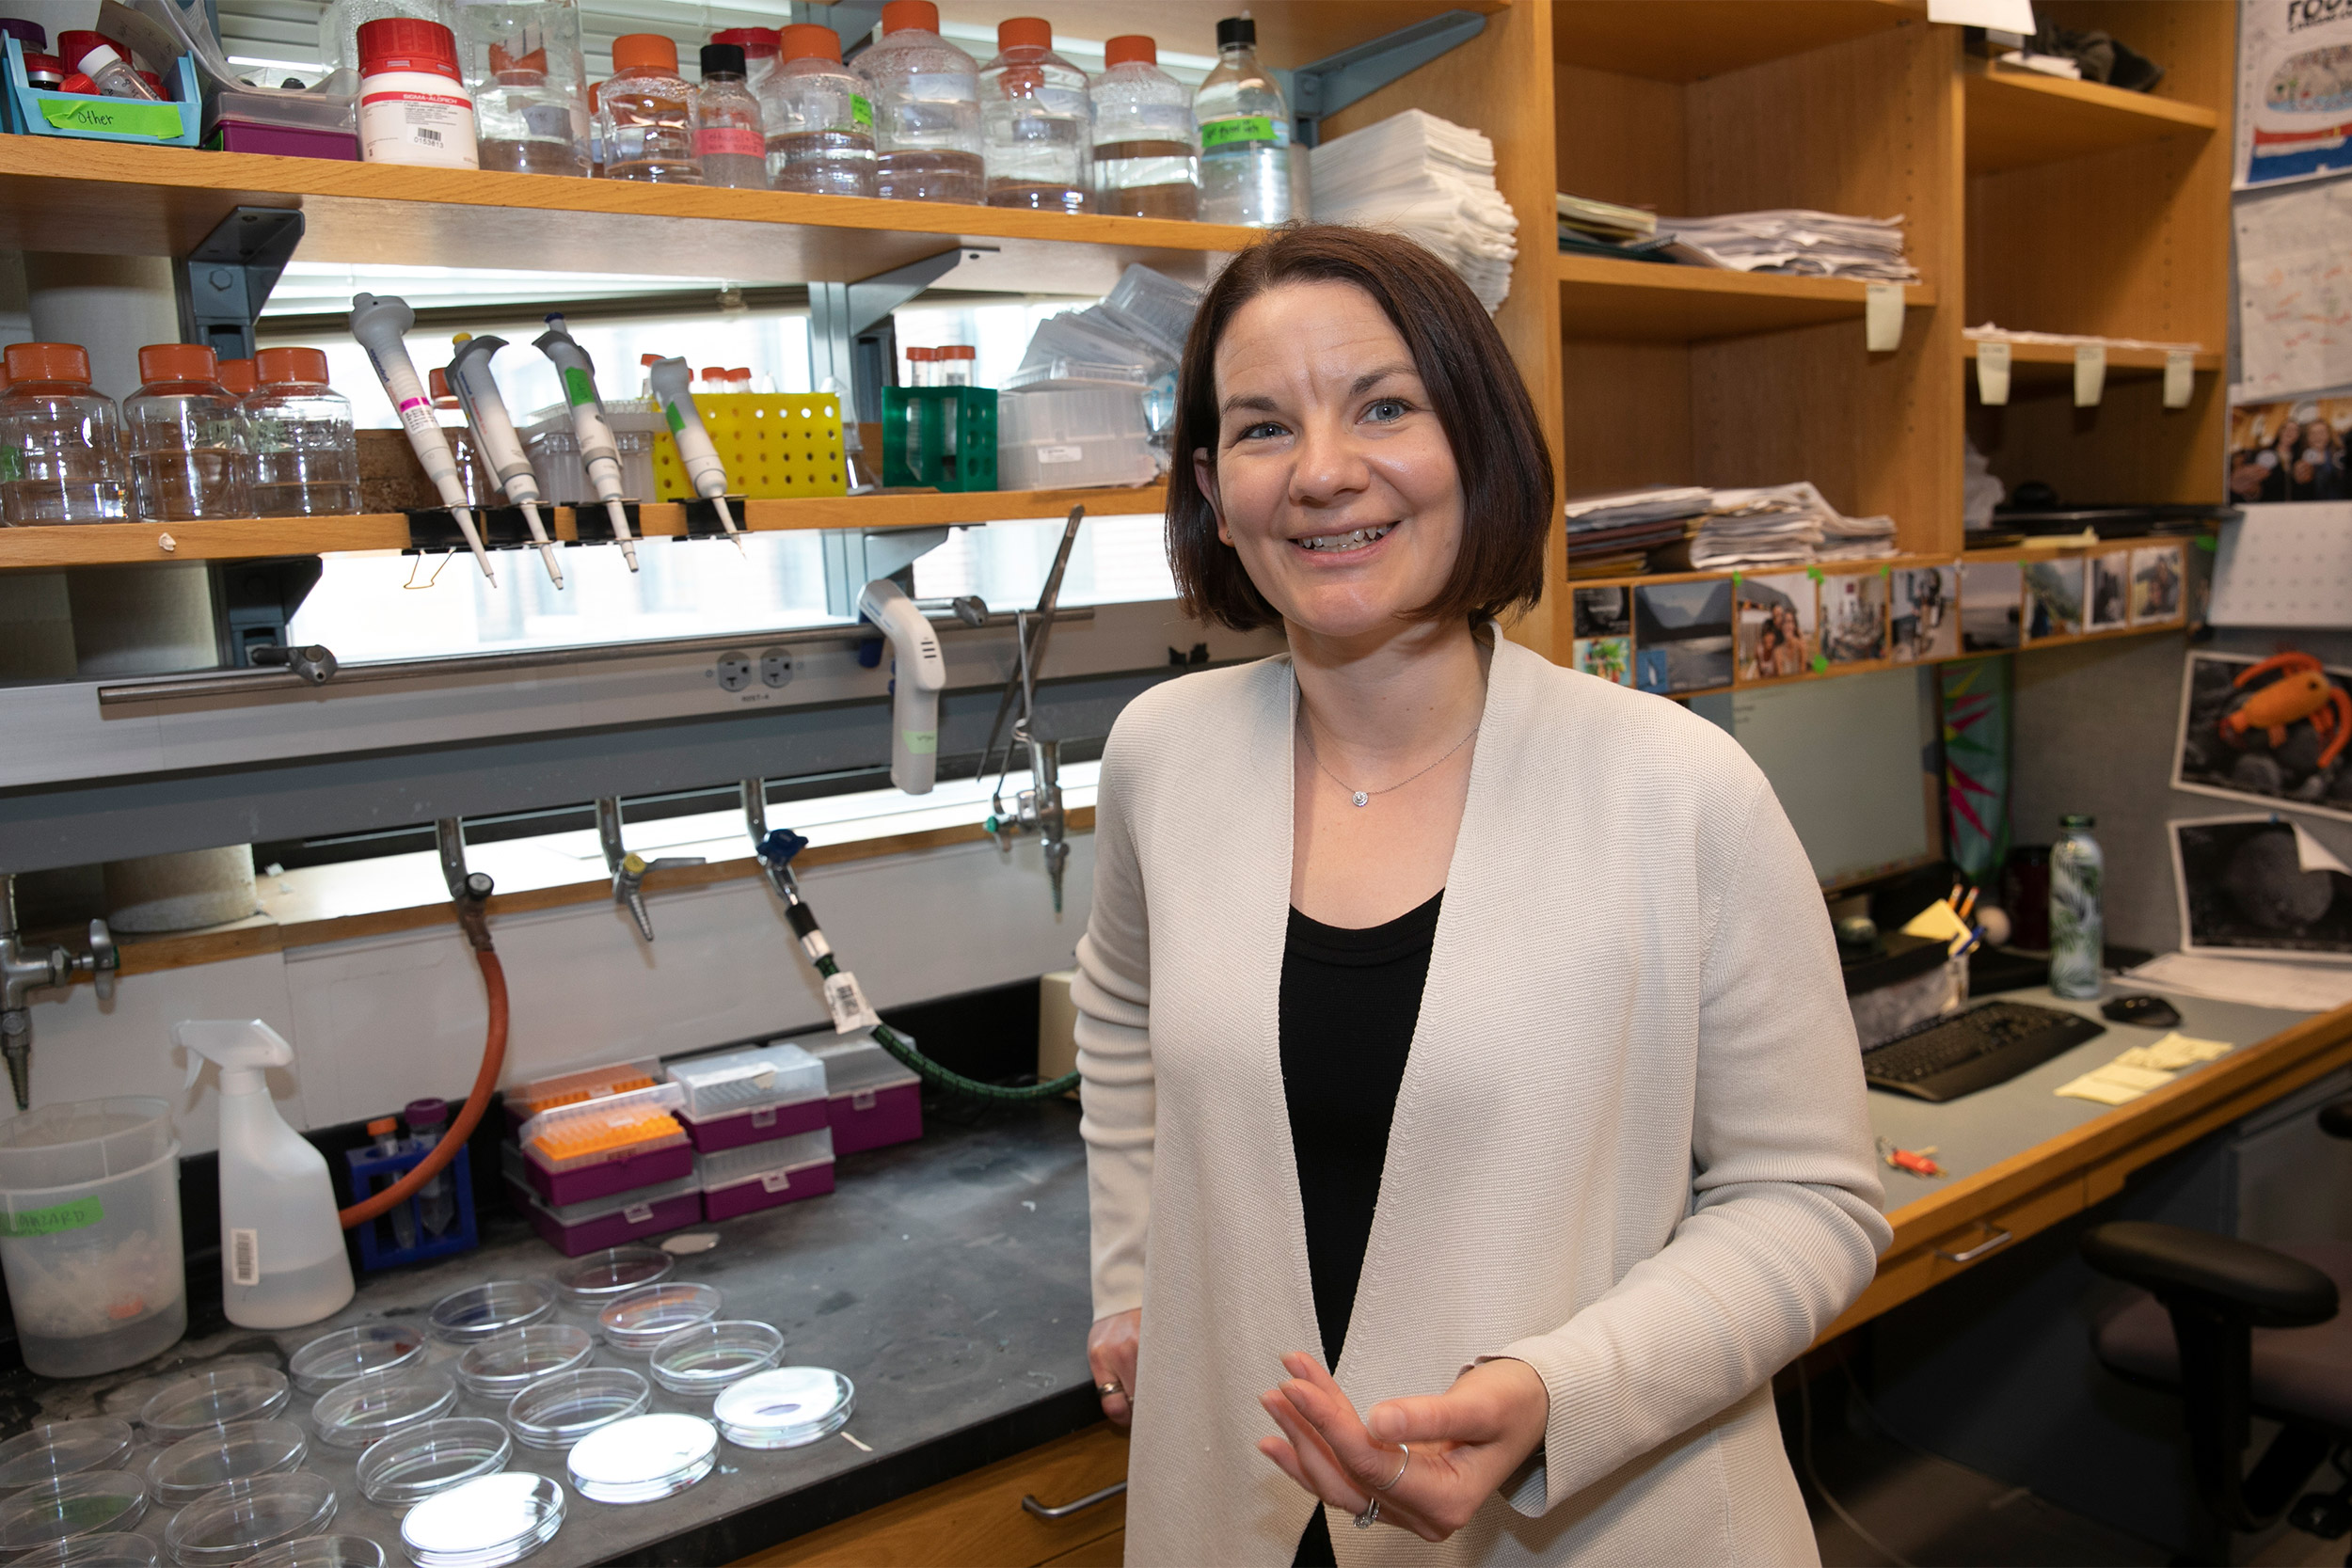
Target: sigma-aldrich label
413,117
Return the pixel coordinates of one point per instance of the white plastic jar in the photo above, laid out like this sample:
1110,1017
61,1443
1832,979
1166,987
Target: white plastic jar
413,105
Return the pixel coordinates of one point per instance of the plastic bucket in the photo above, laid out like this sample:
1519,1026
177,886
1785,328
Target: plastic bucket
90,1234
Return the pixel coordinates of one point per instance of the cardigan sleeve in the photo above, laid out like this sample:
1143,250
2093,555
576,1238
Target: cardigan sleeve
1783,1228
1112,994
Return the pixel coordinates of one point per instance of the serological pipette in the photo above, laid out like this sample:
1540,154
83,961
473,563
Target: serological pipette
486,410
671,384
379,324
597,449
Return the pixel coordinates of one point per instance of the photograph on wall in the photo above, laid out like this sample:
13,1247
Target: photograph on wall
1923,614
1779,625
2261,887
1991,595
2290,450
1853,617
1603,612
2156,576
2054,599
2295,90
2272,731
2110,606
1610,657
1682,635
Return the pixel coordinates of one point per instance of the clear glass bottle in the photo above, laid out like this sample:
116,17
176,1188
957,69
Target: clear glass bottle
647,114
61,457
185,435
521,60
2077,924
1146,154
818,121
240,377
1244,134
1036,126
927,109
728,141
306,454
338,29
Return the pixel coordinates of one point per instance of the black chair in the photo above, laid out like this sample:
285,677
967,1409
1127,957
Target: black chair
2241,1331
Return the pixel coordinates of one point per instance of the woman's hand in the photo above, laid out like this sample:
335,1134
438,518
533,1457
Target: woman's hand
1465,1442
1111,1357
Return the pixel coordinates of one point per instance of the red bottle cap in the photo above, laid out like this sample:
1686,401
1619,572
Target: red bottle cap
649,359
645,52
280,367
75,42
1024,32
714,372
47,363
178,363
533,67
154,84
921,355
239,377
44,67
759,43
1131,46
902,16
959,351
407,43
79,83
806,40
439,389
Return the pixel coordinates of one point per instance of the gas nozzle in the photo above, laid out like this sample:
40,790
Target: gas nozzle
486,410
631,870
379,325
919,675
598,450
672,385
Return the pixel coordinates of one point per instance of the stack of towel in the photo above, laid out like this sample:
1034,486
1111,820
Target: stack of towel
1431,180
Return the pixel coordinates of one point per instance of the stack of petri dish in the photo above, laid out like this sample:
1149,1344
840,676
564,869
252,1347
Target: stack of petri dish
587,1284
707,1357
505,1363
64,1507
643,1459
322,1551
645,1317
416,1462
232,1522
374,1405
194,1466
241,1392
55,1449
119,1549
784,1408
478,1312
340,1356
485,1523
557,1412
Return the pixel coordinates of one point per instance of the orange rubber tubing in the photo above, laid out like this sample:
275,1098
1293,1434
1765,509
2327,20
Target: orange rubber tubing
453,1142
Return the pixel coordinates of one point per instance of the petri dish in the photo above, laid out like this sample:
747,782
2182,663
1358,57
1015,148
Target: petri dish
244,1392
557,1412
194,1466
338,1358
650,1314
64,1507
479,1312
354,1413
643,1459
493,1520
432,1456
707,1357
114,1549
505,1363
321,1551
587,1283
784,1408
236,1519
55,1449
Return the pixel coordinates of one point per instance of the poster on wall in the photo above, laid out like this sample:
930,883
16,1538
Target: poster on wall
2291,449
2261,887
2273,731
2295,90
2294,289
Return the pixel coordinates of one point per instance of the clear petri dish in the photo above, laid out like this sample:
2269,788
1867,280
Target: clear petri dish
479,1312
493,1520
338,1358
646,1315
707,1357
236,1519
55,1449
64,1507
433,1456
557,1412
784,1408
194,1466
505,1363
321,1551
114,1549
354,1413
643,1459
586,1284
244,1392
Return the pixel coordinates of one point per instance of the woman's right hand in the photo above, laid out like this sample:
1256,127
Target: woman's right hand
1111,1357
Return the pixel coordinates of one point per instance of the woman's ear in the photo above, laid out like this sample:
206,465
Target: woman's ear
1204,475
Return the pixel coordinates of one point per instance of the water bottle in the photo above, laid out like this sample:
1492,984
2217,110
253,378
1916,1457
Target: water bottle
647,113
186,437
1147,155
2077,929
927,109
306,456
1244,134
819,122
522,65
60,441
729,143
1036,126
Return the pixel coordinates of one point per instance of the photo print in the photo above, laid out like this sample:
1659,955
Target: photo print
1610,657
1682,635
2158,574
2261,887
2290,450
2110,592
2054,599
1923,613
1603,612
1853,618
1991,595
1779,625
2273,731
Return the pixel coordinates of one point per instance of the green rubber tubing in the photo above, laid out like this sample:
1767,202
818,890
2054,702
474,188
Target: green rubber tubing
956,1082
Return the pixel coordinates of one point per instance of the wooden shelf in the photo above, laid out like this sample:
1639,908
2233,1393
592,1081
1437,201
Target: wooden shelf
2016,119
1693,40
2050,366
1605,299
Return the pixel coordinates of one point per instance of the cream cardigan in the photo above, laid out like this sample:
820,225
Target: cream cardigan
1631,1146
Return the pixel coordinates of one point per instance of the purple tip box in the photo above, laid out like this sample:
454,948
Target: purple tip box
871,1101
577,1230
749,1095
762,1176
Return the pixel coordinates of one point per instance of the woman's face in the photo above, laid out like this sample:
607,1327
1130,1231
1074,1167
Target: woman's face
1332,478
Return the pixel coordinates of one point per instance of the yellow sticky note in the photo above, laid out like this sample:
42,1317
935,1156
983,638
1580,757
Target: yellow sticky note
1937,922
2174,1052
2114,1083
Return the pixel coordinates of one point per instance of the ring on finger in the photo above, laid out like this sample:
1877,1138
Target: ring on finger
1370,1515
1107,1390
1407,1450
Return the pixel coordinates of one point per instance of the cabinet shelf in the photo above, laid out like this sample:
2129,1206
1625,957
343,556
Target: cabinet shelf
1694,39
1610,300
2050,366
2017,119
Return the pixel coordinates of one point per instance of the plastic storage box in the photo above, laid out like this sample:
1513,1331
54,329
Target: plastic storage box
871,1101
749,1096
760,1176
943,436
575,1229
572,1154
554,452
774,445
525,1100
1068,435
314,124
30,111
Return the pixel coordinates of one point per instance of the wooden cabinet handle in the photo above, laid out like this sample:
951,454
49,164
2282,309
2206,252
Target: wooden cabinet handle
1997,1239
1030,1504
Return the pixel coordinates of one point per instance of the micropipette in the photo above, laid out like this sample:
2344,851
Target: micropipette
486,410
597,449
671,382
378,324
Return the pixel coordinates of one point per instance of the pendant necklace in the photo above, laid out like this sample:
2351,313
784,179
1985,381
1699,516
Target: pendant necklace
1364,796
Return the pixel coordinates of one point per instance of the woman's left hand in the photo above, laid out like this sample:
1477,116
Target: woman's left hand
1465,1442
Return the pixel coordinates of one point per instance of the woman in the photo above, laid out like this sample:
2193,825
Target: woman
1473,1021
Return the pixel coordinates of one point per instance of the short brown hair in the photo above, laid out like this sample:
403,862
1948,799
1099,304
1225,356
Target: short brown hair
1474,387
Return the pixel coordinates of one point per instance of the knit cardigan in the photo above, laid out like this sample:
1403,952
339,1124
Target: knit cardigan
1631,1149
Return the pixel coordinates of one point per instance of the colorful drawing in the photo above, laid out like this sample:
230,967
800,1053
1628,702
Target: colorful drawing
1610,657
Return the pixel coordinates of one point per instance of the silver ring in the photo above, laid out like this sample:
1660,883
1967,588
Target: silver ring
1407,1449
1370,1515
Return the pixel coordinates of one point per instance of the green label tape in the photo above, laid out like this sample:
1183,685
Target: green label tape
122,117
1820,662
678,420
861,112
579,387
1813,572
1239,130
80,1214
922,743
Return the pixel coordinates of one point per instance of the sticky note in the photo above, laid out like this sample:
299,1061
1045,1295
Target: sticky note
1937,923
2173,1052
1882,317
2180,377
2090,374
1991,373
2114,1083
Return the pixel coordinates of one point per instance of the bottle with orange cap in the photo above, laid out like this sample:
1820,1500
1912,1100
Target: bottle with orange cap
61,457
1036,126
818,121
413,103
522,64
238,376
927,109
306,453
1147,151
186,437
647,113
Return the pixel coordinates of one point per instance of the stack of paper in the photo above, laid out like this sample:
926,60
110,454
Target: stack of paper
1605,220
1783,525
1787,239
1615,530
1431,180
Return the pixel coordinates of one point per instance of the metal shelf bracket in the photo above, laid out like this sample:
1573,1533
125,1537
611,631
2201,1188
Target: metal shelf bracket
1329,85
224,282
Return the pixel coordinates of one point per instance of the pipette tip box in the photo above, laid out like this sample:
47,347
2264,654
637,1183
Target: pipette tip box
596,1147
871,1101
576,1229
749,1096
525,1100
761,1175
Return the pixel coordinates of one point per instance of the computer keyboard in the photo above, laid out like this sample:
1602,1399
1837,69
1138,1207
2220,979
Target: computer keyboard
1974,1049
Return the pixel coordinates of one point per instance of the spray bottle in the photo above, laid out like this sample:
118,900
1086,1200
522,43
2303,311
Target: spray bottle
379,325
282,1248
671,384
919,672
486,410
597,449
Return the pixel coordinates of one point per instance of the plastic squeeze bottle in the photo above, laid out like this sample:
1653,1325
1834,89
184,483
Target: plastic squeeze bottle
282,1248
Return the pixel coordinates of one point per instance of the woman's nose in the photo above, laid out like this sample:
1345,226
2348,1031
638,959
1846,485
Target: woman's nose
1327,465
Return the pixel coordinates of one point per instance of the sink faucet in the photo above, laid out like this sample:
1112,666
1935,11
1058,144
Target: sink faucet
630,870
25,967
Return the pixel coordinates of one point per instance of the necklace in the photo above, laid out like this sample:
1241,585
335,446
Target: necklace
1364,796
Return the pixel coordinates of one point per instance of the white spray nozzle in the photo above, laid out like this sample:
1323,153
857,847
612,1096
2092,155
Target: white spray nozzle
919,675
240,1047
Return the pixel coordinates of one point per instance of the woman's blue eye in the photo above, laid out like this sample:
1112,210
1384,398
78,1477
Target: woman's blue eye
1387,408
1263,427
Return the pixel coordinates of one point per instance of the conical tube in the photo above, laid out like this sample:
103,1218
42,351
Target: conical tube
486,410
597,449
378,324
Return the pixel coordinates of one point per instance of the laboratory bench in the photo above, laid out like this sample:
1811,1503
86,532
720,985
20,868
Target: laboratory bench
948,1278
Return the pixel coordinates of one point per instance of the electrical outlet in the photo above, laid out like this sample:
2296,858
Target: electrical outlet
775,666
733,671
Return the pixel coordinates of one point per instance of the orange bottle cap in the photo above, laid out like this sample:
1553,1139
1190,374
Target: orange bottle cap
649,359
921,355
1025,32
901,16
1131,46
959,351
806,40
277,367
439,388
238,376
178,363
714,372
645,52
48,362
382,1125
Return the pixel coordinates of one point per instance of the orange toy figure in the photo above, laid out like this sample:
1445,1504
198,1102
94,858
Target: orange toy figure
2301,692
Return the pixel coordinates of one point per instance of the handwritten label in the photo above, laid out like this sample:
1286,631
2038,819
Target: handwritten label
116,117
80,1214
